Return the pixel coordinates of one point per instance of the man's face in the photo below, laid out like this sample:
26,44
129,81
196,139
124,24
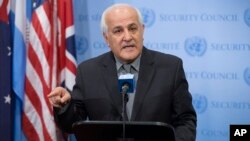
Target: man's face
125,33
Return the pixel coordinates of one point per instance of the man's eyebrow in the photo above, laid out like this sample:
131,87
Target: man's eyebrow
120,27
132,24
117,27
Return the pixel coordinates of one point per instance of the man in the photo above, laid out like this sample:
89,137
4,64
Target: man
161,93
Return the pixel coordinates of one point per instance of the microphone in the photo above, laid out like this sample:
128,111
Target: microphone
125,88
126,85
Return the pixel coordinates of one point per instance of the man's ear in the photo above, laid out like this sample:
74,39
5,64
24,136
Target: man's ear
143,27
105,37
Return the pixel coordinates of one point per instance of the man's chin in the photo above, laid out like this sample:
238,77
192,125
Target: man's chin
129,58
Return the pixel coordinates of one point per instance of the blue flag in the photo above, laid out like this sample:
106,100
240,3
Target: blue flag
5,81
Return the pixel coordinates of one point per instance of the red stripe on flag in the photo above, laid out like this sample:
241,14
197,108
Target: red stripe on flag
4,11
71,66
29,129
38,29
35,100
39,69
69,15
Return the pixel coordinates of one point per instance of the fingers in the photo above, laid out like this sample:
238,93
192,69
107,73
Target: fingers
56,102
66,98
59,97
57,91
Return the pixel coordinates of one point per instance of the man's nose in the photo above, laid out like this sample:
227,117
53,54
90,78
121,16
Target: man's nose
127,36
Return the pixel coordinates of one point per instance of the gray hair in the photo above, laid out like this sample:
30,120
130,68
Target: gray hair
104,27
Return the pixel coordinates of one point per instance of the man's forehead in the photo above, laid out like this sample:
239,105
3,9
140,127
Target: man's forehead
127,25
123,22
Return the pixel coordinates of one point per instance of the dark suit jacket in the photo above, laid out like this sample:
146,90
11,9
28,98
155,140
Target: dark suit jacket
161,95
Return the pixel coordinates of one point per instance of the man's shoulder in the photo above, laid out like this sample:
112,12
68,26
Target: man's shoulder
163,57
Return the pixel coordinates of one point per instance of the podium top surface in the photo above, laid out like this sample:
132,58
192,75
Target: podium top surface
113,131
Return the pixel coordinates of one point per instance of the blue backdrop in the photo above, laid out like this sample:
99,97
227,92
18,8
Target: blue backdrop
213,39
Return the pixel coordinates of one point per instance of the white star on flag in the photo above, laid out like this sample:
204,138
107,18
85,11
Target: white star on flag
9,51
7,99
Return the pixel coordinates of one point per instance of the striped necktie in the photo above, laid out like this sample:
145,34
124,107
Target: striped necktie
127,68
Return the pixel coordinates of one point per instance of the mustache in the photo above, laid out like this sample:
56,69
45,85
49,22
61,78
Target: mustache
128,45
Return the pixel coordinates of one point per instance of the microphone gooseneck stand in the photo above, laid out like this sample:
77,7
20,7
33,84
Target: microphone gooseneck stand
124,101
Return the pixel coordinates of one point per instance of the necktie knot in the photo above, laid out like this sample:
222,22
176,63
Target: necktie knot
127,68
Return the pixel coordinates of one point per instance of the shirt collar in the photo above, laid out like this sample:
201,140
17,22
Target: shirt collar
135,63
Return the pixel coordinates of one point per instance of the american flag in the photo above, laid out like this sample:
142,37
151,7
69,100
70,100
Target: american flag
44,55
5,73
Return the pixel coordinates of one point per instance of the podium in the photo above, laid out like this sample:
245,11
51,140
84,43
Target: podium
113,131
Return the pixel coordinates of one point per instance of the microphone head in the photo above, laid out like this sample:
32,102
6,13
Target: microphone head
128,81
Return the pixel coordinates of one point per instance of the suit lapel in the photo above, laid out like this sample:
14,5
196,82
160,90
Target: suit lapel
146,73
111,80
